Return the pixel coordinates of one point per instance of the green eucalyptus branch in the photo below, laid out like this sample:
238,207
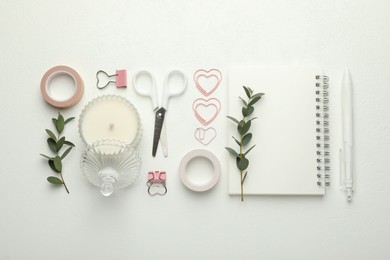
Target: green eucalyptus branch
245,136
56,143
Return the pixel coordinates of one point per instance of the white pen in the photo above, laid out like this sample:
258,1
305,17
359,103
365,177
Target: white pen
347,152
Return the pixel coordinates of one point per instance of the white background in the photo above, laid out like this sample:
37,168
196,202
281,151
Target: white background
38,221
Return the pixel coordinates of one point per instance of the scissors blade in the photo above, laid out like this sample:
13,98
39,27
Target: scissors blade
158,123
163,139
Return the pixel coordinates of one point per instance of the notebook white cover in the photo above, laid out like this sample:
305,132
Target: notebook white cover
284,159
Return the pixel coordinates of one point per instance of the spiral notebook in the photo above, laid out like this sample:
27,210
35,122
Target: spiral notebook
291,132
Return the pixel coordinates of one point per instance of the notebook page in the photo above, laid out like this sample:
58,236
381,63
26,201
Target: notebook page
284,159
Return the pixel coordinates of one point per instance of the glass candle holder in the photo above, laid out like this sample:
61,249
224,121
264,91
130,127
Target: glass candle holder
110,165
110,117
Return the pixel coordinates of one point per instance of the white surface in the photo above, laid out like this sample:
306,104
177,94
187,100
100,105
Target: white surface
38,221
284,161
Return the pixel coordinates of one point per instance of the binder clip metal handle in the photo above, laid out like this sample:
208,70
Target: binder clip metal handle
120,79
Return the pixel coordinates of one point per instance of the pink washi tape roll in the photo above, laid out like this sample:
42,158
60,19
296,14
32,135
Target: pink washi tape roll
195,154
58,71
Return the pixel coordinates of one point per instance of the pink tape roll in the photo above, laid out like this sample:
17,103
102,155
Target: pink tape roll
194,154
54,72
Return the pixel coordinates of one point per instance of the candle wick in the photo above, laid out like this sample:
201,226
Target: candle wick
111,126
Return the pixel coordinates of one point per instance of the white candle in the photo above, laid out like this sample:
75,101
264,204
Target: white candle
110,117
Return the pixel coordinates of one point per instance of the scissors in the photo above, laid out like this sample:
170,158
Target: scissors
169,90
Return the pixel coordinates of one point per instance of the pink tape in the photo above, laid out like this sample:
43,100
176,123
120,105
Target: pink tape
54,72
210,103
195,154
209,75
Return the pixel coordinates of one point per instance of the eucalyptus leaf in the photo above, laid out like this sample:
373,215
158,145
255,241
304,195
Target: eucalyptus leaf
60,143
244,111
243,101
55,180
69,143
66,152
68,120
250,110
54,122
52,144
246,127
255,98
51,164
60,123
240,126
247,151
232,151
253,118
233,119
237,142
57,163
247,92
246,139
51,134
242,163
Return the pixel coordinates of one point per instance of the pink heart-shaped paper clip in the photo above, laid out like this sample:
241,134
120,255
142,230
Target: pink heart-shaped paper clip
209,75
206,119
205,136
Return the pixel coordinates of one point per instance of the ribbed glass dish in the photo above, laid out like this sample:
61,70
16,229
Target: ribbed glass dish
110,165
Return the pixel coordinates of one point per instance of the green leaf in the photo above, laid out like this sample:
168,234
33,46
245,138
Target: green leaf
51,164
60,123
246,139
243,179
66,152
54,122
69,143
60,143
242,163
246,127
243,101
52,145
47,157
247,151
246,111
57,163
68,120
51,134
238,142
54,180
255,98
248,93
232,151
250,110
240,126
233,119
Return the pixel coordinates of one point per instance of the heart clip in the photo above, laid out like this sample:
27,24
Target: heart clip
207,81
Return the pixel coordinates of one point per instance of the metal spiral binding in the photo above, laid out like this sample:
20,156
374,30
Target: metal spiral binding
322,130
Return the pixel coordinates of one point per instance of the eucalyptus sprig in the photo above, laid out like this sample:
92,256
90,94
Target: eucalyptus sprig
56,143
245,136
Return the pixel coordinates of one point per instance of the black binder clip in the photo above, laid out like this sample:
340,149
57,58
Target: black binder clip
157,183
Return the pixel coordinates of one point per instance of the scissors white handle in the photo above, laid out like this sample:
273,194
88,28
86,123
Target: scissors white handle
146,90
169,90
